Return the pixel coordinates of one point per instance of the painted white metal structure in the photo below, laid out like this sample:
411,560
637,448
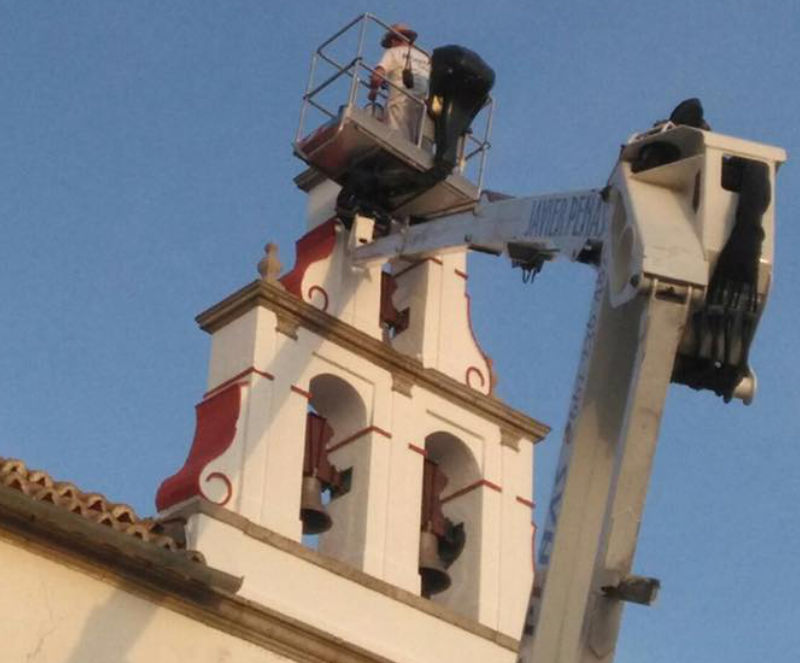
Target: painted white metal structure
568,225
662,230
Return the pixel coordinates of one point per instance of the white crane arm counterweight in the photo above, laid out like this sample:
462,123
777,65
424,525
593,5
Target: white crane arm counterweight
682,236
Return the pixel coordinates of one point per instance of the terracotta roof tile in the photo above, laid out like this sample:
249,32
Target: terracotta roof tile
40,486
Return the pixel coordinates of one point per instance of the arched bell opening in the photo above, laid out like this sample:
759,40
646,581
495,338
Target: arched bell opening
337,414
340,403
451,524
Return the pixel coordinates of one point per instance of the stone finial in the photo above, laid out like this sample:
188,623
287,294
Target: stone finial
269,266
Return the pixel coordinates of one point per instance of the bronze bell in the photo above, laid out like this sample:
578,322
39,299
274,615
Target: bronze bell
435,578
312,512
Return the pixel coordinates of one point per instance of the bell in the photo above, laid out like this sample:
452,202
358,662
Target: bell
312,512
435,578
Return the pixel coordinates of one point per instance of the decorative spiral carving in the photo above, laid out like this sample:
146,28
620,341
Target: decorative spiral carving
321,290
228,487
474,370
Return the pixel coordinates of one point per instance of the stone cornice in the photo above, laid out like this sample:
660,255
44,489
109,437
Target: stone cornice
290,309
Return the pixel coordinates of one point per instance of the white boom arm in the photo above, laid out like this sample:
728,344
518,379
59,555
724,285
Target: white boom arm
686,228
536,228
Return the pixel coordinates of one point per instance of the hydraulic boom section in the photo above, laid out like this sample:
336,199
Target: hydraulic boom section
685,275
682,205
529,231
682,236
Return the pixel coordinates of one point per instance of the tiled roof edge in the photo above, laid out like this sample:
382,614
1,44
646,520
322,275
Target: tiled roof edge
39,486
54,525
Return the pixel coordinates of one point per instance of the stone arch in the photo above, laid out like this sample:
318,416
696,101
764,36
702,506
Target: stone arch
340,403
462,502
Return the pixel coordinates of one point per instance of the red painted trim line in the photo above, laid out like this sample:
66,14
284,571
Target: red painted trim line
463,275
419,450
528,503
222,389
434,259
358,435
236,377
472,486
305,394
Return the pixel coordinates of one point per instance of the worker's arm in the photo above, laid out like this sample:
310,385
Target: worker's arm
389,63
375,82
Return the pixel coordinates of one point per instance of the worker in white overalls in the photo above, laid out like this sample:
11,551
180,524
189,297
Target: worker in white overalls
405,68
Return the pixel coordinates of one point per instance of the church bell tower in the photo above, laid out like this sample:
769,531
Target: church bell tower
351,462
355,405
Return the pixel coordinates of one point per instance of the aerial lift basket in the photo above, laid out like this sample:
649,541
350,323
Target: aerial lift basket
353,142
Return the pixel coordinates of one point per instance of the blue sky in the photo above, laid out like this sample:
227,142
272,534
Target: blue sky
145,160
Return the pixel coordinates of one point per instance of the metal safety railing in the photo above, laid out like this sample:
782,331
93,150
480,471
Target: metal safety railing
329,68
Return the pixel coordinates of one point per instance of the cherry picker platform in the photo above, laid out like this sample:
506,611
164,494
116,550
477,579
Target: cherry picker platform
440,172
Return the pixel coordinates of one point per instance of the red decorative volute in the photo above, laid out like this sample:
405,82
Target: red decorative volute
317,244
214,433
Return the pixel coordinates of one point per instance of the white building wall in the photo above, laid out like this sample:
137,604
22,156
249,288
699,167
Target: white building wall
371,619
52,613
404,482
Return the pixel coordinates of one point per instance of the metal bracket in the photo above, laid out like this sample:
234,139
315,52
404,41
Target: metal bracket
634,589
344,483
